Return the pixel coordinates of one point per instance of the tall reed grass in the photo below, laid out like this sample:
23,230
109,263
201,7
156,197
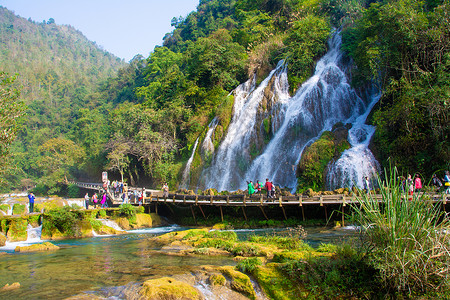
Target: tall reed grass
408,239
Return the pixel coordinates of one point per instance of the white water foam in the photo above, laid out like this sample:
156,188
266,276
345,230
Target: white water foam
187,170
33,237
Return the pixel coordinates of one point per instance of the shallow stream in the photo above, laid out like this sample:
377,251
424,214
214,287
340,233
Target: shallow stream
101,264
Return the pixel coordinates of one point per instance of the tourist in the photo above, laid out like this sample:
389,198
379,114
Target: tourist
165,190
86,200
366,184
409,186
103,202
446,180
272,192
417,183
95,200
268,187
436,182
258,186
121,187
251,188
31,202
124,195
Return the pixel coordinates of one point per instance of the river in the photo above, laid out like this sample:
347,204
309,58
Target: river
103,264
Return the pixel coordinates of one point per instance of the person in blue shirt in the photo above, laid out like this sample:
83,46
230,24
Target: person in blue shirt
31,201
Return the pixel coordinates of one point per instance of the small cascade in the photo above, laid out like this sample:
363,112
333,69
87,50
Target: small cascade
111,223
208,145
10,210
187,170
34,234
358,161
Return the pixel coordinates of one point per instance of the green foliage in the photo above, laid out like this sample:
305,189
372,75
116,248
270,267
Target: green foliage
227,235
404,46
4,207
347,273
248,265
306,42
408,238
73,191
18,209
63,219
101,214
246,249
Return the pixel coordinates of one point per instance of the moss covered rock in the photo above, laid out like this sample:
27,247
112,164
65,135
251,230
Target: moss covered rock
239,281
2,240
143,220
123,223
19,209
168,288
217,280
17,231
37,247
276,284
106,230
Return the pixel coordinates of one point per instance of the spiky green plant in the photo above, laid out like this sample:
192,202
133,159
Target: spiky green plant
408,238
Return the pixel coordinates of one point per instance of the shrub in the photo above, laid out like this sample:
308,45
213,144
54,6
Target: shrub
127,210
63,219
248,265
4,207
227,235
101,214
246,249
73,191
408,238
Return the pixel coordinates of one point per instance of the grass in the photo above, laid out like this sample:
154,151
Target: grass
407,239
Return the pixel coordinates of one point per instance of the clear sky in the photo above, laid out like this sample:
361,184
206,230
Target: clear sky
122,27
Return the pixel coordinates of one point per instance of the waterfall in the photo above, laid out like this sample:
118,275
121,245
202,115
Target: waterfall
111,223
233,157
208,145
358,161
34,234
187,170
322,101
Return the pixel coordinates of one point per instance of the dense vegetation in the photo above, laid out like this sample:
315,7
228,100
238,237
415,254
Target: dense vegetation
142,121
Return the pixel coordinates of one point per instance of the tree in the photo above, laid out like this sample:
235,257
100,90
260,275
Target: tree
57,157
11,111
118,158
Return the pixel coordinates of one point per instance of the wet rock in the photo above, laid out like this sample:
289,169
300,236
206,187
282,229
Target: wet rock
123,223
10,287
169,288
239,281
37,247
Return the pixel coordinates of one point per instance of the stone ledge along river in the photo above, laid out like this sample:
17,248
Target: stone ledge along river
99,266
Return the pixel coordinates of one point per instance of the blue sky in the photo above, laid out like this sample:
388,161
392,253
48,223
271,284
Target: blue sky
124,28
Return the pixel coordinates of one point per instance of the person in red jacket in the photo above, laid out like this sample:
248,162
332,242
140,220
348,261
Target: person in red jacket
268,187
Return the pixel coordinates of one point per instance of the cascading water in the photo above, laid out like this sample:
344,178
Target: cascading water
186,178
112,224
358,161
233,156
322,101
208,145
34,234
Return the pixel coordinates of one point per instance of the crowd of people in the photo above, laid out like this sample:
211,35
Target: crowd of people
414,184
256,188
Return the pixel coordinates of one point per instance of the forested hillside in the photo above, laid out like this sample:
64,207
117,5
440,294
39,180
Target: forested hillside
143,122
58,71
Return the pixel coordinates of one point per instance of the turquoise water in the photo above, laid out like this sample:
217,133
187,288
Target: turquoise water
102,263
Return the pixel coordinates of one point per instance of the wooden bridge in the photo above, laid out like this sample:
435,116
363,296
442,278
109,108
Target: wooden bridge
256,200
